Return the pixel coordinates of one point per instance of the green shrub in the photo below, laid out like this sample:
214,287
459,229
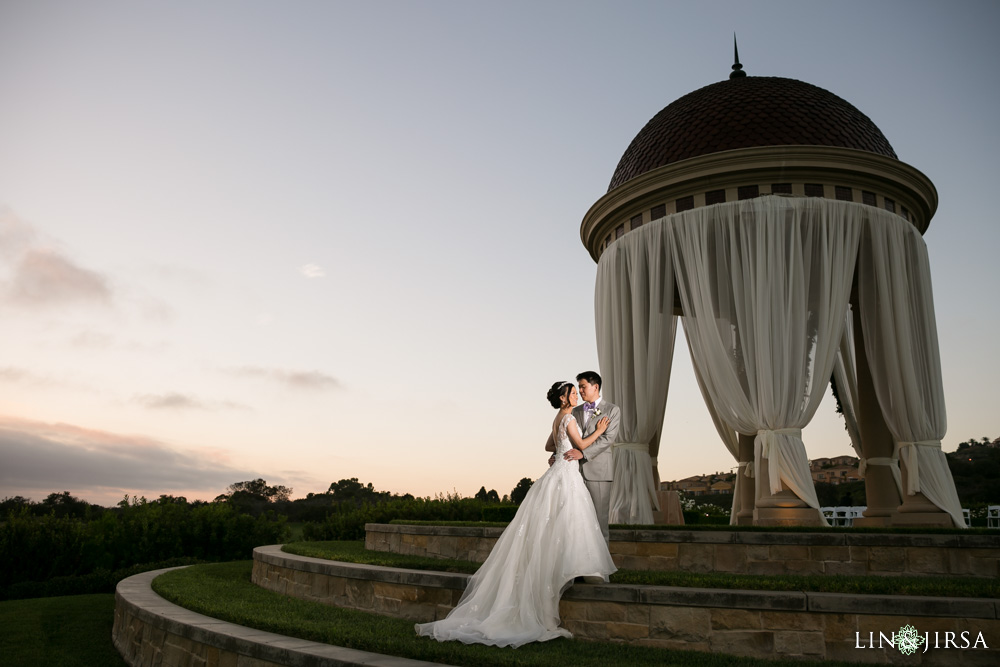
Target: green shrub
347,521
40,548
500,513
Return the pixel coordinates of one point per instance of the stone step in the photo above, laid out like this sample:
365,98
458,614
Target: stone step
764,624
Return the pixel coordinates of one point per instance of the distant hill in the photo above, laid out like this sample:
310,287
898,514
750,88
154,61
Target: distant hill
975,466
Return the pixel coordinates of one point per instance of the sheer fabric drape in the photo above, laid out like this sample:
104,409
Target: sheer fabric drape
636,328
729,437
764,286
900,332
845,374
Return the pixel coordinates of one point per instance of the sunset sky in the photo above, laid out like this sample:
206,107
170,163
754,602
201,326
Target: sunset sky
307,241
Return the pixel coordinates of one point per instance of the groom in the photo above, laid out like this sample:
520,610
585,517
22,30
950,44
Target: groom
595,462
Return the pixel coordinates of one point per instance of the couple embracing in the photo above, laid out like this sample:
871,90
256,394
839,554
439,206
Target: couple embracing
556,536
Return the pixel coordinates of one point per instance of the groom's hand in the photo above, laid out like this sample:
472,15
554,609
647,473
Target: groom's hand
552,459
573,455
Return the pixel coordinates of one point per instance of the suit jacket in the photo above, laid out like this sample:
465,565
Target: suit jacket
597,464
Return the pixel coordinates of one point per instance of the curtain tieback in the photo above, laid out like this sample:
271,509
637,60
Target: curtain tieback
907,452
936,444
874,461
748,469
767,439
766,446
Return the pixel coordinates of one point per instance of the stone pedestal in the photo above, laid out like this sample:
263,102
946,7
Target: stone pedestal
780,509
917,510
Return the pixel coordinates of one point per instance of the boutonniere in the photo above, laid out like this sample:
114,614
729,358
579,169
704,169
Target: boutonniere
597,412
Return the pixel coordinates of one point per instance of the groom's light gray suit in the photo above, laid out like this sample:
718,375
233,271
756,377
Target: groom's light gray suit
595,466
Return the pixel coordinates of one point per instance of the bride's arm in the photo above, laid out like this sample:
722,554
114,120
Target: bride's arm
583,443
550,444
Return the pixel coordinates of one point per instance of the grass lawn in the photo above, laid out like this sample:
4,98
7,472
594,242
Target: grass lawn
224,591
967,587
70,631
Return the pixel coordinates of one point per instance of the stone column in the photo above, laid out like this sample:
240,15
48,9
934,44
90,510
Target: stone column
881,495
747,484
877,442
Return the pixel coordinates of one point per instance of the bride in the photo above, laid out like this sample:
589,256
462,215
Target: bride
514,597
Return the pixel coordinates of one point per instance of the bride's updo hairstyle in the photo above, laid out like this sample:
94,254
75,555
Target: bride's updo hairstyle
558,392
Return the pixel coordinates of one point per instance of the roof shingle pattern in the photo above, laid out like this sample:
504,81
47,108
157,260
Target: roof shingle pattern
744,113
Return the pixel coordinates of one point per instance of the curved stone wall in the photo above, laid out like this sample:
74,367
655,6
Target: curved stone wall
150,631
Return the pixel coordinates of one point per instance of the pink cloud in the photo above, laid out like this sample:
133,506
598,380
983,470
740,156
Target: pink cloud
44,277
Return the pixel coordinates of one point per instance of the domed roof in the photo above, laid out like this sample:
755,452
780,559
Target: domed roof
746,112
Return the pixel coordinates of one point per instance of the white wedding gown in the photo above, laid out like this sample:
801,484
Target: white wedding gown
514,597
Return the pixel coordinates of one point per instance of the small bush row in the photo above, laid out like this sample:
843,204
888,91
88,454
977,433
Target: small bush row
347,522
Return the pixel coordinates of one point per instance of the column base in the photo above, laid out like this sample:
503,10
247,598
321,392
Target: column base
786,516
670,512
744,518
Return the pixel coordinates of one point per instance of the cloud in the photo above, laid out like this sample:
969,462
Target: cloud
22,375
177,401
302,380
41,275
15,234
96,340
12,374
44,277
312,271
38,457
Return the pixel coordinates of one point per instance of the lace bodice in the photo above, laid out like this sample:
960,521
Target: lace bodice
563,443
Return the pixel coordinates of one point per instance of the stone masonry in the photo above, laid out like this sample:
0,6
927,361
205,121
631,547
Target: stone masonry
734,552
765,624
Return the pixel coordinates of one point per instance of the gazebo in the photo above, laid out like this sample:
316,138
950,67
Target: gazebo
776,220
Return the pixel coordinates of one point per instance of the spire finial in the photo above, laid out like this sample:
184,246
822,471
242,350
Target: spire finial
737,67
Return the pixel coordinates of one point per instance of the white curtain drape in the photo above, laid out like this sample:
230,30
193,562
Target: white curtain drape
900,332
636,328
764,286
845,374
730,439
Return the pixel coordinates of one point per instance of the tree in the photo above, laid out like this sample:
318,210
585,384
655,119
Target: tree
13,504
520,491
63,504
490,496
257,489
352,489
